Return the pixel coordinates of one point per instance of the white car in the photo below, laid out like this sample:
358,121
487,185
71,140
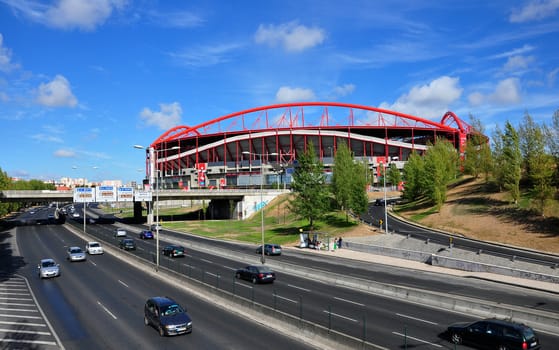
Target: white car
48,268
120,232
93,248
75,254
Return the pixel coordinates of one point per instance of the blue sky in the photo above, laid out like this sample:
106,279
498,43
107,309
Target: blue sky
83,81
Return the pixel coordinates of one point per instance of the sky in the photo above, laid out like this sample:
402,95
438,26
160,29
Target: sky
82,81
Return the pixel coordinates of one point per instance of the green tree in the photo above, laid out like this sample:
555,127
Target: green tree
414,177
511,161
531,141
5,184
441,167
477,158
542,170
393,175
311,200
359,201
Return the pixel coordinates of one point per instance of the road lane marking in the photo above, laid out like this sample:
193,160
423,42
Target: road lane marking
417,339
94,264
14,293
349,301
208,261
20,316
24,324
106,310
24,331
341,316
417,319
16,304
284,298
29,342
211,274
11,309
124,284
242,284
230,268
300,288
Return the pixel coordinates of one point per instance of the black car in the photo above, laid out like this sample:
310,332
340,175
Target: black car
127,244
494,334
167,316
269,249
173,250
256,274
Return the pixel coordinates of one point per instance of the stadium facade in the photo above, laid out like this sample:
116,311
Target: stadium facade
260,145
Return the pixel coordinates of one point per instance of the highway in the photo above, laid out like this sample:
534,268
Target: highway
387,322
98,304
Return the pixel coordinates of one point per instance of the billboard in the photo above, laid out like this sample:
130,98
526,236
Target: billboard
142,196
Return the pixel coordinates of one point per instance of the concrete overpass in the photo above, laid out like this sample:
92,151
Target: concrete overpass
241,203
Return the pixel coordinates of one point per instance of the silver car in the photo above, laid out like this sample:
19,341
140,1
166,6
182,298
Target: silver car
48,268
75,254
93,248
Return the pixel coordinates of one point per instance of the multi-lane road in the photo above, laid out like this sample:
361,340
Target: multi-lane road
99,303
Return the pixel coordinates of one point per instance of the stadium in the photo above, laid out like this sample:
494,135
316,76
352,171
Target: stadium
259,146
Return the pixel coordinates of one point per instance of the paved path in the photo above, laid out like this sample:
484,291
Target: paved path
396,240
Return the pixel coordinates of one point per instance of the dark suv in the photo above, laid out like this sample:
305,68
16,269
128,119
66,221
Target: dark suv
269,249
127,244
494,334
167,316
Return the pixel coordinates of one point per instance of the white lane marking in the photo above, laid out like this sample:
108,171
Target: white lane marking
417,339
284,298
211,274
300,288
14,293
20,316
208,261
24,324
21,299
340,316
106,310
417,319
18,331
230,268
124,284
16,304
349,301
94,264
11,309
29,342
242,285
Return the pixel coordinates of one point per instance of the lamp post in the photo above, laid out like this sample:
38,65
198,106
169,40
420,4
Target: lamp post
153,156
262,258
385,211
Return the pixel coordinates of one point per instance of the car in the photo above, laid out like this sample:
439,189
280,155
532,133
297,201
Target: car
494,334
75,254
48,268
256,274
146,234
173,250
127,244
269,249
167,316
120,232
93,248
154,227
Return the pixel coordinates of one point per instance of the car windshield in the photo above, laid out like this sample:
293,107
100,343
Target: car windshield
48,263
172,310
93,245
528,333
75,250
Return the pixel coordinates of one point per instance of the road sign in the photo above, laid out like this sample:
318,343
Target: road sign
84,195
106,194
142,196
125,194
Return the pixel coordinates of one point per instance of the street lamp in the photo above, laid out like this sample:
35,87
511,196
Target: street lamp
262,259
153,162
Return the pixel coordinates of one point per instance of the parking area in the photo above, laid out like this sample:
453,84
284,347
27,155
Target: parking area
22,323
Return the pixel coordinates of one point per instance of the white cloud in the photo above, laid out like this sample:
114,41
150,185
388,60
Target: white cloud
168,117
291,36
287,94
56,93
205,56
518,63
47,138
551,76
68,14
344,90
176,19
476,98
5,57
64,153
506,92
534,10
428,101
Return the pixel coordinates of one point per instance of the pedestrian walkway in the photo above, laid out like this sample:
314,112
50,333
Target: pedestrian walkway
391,239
